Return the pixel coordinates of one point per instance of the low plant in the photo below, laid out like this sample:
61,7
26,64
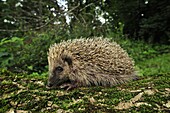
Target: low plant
28,54
10,50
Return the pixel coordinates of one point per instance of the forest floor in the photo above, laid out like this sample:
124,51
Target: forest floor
22,93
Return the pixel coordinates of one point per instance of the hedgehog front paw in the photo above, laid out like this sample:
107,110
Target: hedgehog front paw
68,86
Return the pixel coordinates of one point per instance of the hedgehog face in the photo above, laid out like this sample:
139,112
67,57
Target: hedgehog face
59,70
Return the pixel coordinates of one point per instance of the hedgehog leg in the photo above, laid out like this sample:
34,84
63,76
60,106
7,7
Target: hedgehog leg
69,86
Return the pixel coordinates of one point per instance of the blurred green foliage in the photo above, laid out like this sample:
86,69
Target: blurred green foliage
25,54
10,50
158,65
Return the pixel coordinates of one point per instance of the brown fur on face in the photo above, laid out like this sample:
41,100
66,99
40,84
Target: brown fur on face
87,62
59,69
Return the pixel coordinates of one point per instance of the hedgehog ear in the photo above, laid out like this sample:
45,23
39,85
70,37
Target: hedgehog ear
67,59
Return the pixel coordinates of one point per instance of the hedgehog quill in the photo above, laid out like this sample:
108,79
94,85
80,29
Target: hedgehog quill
88,62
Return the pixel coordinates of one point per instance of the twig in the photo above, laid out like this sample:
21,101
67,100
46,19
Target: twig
86,6
67,12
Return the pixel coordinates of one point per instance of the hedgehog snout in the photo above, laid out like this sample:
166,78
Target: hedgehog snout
55,81
49,83
52,82
52,79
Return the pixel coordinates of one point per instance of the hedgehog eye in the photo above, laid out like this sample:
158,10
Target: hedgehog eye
59,69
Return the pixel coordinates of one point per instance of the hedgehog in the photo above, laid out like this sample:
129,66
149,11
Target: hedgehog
88,62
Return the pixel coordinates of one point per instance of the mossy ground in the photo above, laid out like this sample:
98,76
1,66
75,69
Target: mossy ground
151,93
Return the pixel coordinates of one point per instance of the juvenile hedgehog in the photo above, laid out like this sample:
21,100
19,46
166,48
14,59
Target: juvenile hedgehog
88,62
